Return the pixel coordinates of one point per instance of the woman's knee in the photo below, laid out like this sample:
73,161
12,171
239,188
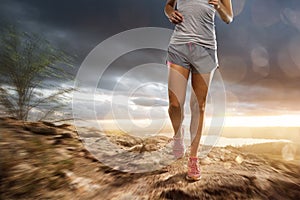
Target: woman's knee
176,106
198,104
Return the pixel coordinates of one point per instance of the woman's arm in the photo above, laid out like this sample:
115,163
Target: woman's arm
224,9
173,15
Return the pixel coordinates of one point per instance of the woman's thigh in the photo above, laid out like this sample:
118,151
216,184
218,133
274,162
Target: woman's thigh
200,85
177,83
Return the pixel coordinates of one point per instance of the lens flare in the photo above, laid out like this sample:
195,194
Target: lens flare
238,6
260,60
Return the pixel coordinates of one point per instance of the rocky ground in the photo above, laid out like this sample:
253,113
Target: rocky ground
45,161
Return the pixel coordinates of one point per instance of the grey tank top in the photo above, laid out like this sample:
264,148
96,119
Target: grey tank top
198,24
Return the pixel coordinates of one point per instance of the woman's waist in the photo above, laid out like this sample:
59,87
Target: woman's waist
212,44
192,32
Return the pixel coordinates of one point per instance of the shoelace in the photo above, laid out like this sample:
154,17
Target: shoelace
194,167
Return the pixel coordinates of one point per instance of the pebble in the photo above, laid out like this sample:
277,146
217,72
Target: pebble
239,159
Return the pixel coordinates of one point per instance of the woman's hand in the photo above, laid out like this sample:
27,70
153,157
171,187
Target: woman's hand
175,17
224,8
215,3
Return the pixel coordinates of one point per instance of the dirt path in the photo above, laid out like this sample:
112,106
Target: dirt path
44,161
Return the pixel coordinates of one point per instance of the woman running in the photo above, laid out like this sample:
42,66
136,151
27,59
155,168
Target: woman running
192,48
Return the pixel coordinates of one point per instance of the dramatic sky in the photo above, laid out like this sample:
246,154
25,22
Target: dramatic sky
259,52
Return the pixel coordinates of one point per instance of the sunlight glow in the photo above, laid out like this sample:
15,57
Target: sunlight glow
230,121
263,121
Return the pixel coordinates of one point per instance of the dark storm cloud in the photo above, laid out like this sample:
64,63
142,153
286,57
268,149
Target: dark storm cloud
81,25
128,63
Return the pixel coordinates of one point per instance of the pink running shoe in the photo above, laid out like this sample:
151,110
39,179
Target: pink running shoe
194,171
178,145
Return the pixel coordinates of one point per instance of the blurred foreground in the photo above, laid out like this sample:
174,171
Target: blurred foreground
46,161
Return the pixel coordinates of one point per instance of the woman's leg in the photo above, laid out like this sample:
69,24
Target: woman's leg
177,83
200,85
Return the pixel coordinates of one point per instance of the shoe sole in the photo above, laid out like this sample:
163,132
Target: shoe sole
192,178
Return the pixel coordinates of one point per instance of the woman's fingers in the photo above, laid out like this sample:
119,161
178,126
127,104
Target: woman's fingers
213,2
216,3
176,17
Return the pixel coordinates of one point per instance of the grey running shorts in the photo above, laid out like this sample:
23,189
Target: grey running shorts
192,56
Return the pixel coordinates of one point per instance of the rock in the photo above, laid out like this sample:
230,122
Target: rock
127,141
205,161
227,165
149,147
58,142
48,124
239,159
154,143
71,148
136,148
225,151
80,184
41,129
82,154
89,134
64,126
222,158
66,135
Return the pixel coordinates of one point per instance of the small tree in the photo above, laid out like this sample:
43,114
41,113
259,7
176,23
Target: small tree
29,66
